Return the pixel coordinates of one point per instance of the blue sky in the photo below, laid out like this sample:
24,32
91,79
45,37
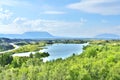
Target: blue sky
72,18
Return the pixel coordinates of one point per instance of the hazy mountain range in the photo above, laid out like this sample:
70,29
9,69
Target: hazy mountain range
28,35
108,36
46,35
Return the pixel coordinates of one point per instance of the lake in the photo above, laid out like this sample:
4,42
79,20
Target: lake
58,51
62,50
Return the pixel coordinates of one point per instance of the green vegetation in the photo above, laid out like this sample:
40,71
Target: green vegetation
65,41
7,59
21,43
26,48
99,61
30,47
40,55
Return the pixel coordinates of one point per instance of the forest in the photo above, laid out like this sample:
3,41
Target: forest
100,60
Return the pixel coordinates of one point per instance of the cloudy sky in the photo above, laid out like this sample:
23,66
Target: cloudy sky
72,18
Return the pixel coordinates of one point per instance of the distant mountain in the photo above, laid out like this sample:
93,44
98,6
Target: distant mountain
28,35
108,36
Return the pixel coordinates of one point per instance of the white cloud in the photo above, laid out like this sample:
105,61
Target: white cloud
54,12
60,28
5,15
103,7
57,28
20,25
1,9
19,20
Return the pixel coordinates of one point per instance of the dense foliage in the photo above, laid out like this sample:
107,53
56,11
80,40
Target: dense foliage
99,61
66,41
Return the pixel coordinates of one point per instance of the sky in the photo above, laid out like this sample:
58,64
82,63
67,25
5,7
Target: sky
67,18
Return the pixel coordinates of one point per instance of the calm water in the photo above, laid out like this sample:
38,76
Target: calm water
62,50
58,51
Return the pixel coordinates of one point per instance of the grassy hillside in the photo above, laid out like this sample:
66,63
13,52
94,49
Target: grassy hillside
99,61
